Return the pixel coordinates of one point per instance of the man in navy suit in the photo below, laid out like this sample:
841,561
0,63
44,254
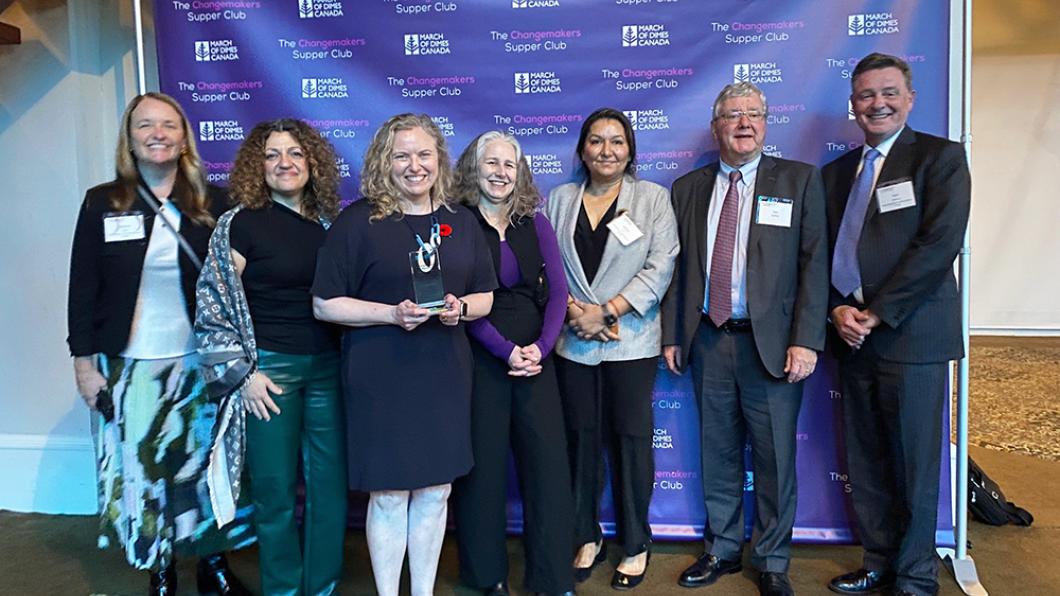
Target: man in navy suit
747,310
897,211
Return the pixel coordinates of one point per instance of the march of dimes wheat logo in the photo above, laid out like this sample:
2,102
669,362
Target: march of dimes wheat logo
220,130
426,44
872,23
325,88
653,119
537,82
217,50
642,36
318,9
535,3
758,73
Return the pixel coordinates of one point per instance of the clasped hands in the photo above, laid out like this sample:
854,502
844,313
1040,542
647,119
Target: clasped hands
524,361
854,325
587,321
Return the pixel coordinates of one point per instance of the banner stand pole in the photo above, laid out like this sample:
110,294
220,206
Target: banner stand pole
963,566
141,77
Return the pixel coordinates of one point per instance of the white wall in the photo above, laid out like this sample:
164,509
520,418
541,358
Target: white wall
60,95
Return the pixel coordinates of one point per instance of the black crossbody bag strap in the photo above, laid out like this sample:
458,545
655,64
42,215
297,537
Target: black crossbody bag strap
153,202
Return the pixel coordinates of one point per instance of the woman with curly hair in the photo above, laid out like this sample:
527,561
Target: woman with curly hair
137,248
268,355
405,373
515,398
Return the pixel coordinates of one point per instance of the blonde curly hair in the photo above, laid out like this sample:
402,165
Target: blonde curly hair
376,186
247,181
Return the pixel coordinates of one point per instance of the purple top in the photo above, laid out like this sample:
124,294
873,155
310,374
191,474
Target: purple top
555,310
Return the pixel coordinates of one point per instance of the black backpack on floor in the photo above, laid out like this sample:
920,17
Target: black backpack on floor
987,503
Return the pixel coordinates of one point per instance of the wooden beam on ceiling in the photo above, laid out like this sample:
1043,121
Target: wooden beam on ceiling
9,34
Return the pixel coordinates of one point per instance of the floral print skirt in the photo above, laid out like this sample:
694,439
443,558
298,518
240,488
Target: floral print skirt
152,464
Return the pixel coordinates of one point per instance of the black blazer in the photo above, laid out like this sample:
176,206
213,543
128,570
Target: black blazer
787,268
906,256
105,277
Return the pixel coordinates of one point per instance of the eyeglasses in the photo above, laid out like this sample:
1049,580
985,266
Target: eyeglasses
752,115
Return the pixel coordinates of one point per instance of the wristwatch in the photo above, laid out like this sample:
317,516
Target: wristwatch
609,317
463,309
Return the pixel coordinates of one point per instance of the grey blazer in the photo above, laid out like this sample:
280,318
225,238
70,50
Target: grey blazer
641,272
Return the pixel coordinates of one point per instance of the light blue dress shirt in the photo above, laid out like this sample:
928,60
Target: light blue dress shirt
746,188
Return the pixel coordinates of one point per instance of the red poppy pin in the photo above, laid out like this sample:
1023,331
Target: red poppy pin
445,230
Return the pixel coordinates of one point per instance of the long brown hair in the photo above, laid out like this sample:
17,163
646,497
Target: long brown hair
189,189
246,183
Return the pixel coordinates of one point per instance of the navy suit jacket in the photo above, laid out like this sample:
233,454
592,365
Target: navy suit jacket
787,268
906,255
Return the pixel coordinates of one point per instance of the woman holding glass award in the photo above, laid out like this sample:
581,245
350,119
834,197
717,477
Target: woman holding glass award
402,270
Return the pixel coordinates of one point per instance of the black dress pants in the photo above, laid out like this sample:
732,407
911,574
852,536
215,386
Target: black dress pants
523,412
609,406
892,414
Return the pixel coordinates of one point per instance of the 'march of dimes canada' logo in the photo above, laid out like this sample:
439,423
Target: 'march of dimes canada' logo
217,50
537,82
544,163
316,9
872,23
534,3
641,36
648,119
426,44
757,73
220,130
324,88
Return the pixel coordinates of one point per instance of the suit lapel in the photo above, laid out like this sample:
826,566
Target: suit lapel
702,192
765,183
566,240
612,249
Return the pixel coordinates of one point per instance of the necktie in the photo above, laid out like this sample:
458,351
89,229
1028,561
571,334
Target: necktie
846,273
719,308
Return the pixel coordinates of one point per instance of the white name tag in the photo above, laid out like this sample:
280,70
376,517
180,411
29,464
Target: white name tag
119,227
774,211
895,196
624,229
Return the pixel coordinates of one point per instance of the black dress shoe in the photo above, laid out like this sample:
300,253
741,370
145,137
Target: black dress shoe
214,577
621,581
706,570
582,573
861,581
164,582
497,589
772,583
567,593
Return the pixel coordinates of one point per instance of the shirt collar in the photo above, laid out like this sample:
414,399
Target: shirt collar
885,146
746,169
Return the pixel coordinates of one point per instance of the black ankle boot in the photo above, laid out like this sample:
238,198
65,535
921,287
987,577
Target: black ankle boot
164,582
214,577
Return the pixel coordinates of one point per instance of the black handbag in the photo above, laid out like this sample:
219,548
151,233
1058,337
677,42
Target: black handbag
988,504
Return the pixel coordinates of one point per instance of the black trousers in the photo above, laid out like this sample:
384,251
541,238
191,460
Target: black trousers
526,414
737,399
892,414
609,406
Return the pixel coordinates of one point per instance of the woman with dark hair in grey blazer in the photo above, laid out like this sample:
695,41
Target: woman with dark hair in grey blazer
618,237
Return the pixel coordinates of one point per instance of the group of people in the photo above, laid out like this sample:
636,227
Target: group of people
236,343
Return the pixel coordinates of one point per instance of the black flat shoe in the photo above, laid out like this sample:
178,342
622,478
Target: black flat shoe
582,573
212,576
706,570
164,582
497,589
621,581
772,583
861,581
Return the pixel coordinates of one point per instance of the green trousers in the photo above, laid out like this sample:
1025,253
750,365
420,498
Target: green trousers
311,420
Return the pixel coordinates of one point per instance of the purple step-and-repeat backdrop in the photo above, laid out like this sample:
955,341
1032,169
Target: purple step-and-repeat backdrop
536,68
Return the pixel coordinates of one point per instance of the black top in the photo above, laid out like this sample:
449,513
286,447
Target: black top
280,247
590,243
105,276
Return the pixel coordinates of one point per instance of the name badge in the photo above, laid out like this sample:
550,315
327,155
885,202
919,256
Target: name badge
119,227
624,229
774,211
895,196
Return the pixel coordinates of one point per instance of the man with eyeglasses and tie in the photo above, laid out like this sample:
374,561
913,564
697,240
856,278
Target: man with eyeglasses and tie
746,310
897,210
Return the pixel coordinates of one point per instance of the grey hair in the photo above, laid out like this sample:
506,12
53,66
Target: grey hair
495,135
741,89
